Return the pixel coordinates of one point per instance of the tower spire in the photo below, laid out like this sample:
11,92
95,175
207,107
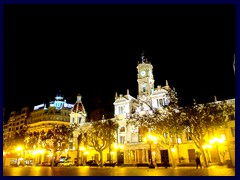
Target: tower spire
166,82
143,56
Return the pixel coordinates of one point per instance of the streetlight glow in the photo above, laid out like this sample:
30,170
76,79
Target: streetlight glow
150,139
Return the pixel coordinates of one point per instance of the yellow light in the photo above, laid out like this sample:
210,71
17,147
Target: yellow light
82,148
34,152
219,140
207,146
19,148
173,149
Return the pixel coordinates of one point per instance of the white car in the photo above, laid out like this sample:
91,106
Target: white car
66,163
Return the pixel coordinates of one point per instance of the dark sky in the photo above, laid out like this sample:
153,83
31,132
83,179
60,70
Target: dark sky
94,50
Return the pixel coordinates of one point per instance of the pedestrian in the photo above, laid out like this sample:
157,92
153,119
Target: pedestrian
198,163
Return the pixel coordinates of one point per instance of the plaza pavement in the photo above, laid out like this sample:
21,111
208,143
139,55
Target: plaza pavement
118,171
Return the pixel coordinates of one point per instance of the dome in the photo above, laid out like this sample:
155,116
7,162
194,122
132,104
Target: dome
78,106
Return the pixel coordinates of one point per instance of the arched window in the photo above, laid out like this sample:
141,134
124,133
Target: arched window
79,120
122,129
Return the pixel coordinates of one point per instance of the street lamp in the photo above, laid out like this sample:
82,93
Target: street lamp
150,140
218,141
118,147
19,151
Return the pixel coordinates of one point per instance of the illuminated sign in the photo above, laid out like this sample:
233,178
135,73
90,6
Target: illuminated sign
66,105
38,106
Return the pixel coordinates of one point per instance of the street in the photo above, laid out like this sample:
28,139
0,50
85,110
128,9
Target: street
117,171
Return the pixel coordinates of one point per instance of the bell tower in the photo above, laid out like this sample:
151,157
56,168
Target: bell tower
145,77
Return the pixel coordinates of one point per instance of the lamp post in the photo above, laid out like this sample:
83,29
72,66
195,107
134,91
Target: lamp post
118,147
150,140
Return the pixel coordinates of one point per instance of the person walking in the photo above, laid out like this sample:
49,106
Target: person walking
198,163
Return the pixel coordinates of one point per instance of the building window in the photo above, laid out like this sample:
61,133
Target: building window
122,129
159,102
122,139
73,120
121,109
144,87
231,117
79,120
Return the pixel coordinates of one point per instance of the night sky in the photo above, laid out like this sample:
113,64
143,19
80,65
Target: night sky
94,50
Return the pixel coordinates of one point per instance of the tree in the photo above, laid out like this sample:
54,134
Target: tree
16,140
166,124
101,136
111,126
57,139
78,131
162,122
200,118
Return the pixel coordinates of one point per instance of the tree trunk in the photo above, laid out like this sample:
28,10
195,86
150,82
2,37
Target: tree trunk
205,164
178,152
101,158
110,155
53,157
77,160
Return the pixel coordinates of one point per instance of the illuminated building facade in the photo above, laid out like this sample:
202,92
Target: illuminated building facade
39,119
136,151
16,122
130,149
43,118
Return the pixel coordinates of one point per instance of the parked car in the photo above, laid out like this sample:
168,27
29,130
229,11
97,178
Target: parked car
46,163
65,163
92,163
110,163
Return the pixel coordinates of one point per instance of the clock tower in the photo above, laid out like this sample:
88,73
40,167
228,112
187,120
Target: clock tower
145,77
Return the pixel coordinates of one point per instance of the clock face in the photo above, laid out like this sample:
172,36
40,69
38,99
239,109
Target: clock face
143,73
